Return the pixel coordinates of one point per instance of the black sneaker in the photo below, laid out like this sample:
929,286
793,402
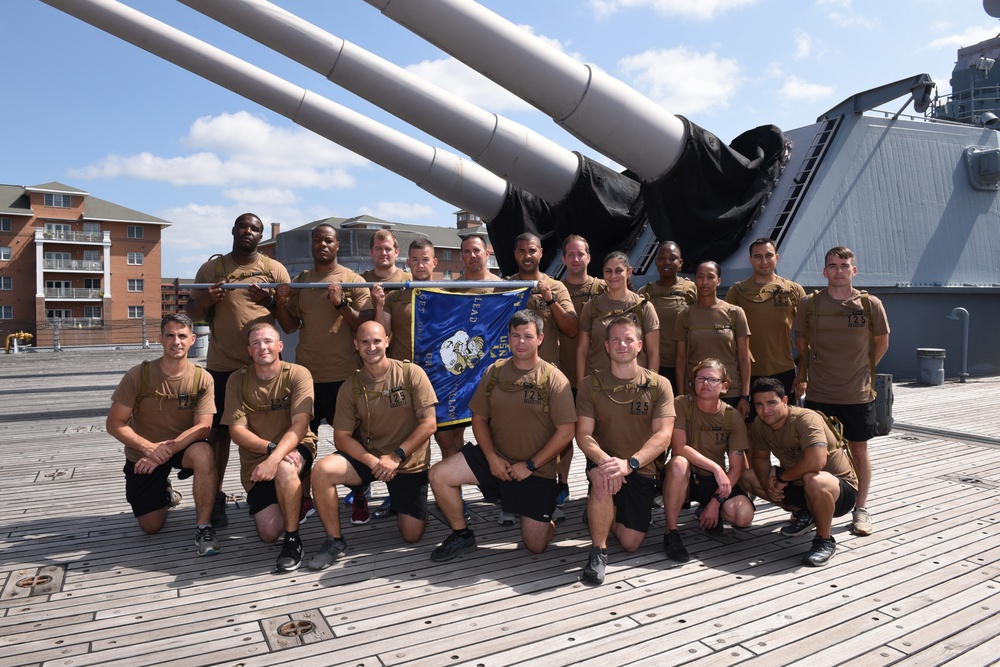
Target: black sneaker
455,545
801,523
219,518
332,549
820,552
594,572
206,541
290,557
674,547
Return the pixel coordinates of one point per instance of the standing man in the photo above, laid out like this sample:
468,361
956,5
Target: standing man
398,307
814,477
582,287
385,418
474,259
231,312
167,431
626,418
669,295
522,417
841,334
769,302
326,319
268,408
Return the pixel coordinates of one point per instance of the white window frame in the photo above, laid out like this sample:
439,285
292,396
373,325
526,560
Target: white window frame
6,252
58,228
6,283
58,284
5,224
136,285
58,200
136,259
92,227
6,312
136,312
88,312
58,314
135,232
91,283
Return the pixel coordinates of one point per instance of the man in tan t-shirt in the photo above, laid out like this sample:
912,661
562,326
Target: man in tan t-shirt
841,334
522,417
626,418
397,310
814,478
385,418
162,412
232,312
268,408
769,302
326,320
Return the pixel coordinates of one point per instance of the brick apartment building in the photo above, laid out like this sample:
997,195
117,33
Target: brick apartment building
75,269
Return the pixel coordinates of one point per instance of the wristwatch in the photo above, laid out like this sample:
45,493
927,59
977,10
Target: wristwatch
400,454
633,463
530,465
778,470
343,304
271,446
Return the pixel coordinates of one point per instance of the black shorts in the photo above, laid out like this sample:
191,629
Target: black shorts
858,418
670,373
264,494
148,493
534,497
324,403
452,427
795,496
407,491
221,379
701,488
634,501
787,380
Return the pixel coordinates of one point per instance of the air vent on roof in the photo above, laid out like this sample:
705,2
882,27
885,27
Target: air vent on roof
984,167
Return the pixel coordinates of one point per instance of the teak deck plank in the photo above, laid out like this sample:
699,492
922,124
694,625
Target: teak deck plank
924,589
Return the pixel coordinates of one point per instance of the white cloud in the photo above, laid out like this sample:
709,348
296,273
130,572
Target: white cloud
398,211
968,37
239,149
696,9
273,196
797,90
803,45
683,81
458,78
852,20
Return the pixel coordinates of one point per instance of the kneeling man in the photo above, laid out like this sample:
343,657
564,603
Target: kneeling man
162,412
815,478
522,417
381,429
268,408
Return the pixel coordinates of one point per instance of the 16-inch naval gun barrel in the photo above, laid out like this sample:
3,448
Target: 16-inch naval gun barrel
443,174
508,149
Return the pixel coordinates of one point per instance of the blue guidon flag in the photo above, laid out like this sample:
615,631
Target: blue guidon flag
456,337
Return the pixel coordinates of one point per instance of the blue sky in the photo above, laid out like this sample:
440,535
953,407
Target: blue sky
87,109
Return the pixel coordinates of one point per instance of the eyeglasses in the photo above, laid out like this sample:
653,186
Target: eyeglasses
707,380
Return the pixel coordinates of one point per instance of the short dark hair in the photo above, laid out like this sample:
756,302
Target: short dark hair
522,317
841,251
473,236
420,243
763,240
718,269
766,385
528,236
176,318
250,217
623,320
323,224
575,237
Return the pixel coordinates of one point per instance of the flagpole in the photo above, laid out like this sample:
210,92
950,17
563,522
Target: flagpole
441,284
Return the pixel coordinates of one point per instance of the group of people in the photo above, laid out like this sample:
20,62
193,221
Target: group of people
628,375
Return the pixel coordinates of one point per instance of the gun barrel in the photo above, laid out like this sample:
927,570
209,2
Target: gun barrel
600,110
445,175
506,148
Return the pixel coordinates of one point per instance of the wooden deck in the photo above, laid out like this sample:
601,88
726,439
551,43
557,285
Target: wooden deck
923,590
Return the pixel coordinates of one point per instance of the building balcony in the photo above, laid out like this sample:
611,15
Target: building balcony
73,265
72,293
100,237
74,322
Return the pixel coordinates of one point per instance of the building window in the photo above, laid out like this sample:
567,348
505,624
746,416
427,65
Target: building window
92,227
5,254
92,312
6,312
4,224
135,258
447,275
59,314
136,312
6,282
91,255
91,283
58,284
58,201
446,255
57,228
134,232
135,284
